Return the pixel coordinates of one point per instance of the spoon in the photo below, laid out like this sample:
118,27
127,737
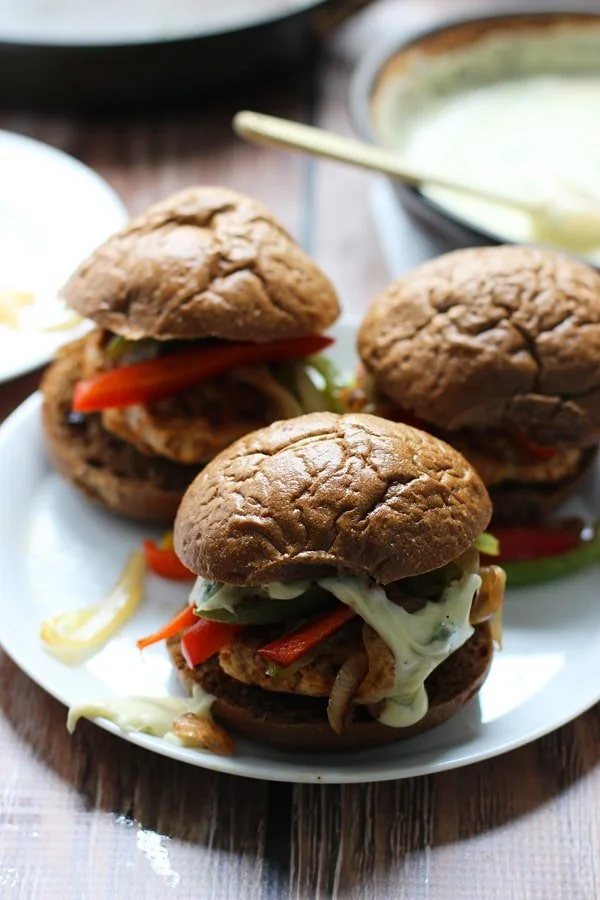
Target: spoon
572,223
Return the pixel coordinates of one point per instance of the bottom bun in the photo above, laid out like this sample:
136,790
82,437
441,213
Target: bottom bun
296,722
104,468
532,503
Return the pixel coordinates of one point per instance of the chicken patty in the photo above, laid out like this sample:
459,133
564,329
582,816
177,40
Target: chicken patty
503,462
195,424
198,422
495,455
315,678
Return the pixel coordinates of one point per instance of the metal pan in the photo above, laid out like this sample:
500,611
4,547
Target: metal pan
153,65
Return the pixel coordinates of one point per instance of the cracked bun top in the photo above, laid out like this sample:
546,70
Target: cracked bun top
323,492
492,337
207,262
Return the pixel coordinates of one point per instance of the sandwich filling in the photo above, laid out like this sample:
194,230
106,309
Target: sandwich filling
346,638
499,456
205,408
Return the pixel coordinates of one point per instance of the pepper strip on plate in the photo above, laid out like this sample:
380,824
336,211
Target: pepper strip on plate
519,544
284,651
157,378
546,568
164,561
184,619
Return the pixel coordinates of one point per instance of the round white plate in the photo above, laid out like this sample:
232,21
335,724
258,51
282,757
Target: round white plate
53,212
101,22
58,552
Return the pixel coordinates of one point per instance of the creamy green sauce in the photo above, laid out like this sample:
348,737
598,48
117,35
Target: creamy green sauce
148,715
210,595
514,113
420,641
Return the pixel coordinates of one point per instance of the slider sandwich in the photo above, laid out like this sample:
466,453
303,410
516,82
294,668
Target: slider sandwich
340,601
495,350
208,324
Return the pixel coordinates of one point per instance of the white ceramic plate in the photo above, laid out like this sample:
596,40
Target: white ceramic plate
122,21
59,552
53,212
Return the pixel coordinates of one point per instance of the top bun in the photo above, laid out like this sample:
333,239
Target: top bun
207,262
492,337
354,493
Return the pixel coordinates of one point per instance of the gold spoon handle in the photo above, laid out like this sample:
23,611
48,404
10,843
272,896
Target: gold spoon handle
275,132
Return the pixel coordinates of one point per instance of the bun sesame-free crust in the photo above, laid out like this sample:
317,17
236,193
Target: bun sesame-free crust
347,493
298,723
104,468
492,337
206,262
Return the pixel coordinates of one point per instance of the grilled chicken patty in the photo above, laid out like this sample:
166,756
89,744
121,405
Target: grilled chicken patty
315,678
195,424
495,455
503,462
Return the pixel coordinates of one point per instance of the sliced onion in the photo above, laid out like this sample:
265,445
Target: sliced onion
379,680
341,699
490,595
283,400
202,732
497,627
75,636
311,398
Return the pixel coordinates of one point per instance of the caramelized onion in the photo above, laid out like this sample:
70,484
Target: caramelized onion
259,377
490,596
202,732
379,680
341,699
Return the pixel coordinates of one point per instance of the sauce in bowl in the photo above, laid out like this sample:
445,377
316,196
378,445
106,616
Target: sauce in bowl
513,112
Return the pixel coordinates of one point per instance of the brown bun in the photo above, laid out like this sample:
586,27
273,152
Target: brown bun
492,337
531,504
351,493
296,722
205,262
103,467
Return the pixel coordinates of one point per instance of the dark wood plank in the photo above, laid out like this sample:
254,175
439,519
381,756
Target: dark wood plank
93,816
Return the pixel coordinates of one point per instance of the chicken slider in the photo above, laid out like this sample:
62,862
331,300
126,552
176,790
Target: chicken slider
496,350
340,597
208,316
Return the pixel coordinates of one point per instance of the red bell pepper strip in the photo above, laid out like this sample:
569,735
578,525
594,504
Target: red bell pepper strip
518,544
284,651
204,639
180,622
165,562
154,379
547,568
538,450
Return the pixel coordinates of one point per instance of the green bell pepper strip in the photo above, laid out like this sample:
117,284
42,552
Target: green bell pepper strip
547,568
333,379
488,544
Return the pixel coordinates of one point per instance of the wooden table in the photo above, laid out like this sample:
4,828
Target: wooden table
92,816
